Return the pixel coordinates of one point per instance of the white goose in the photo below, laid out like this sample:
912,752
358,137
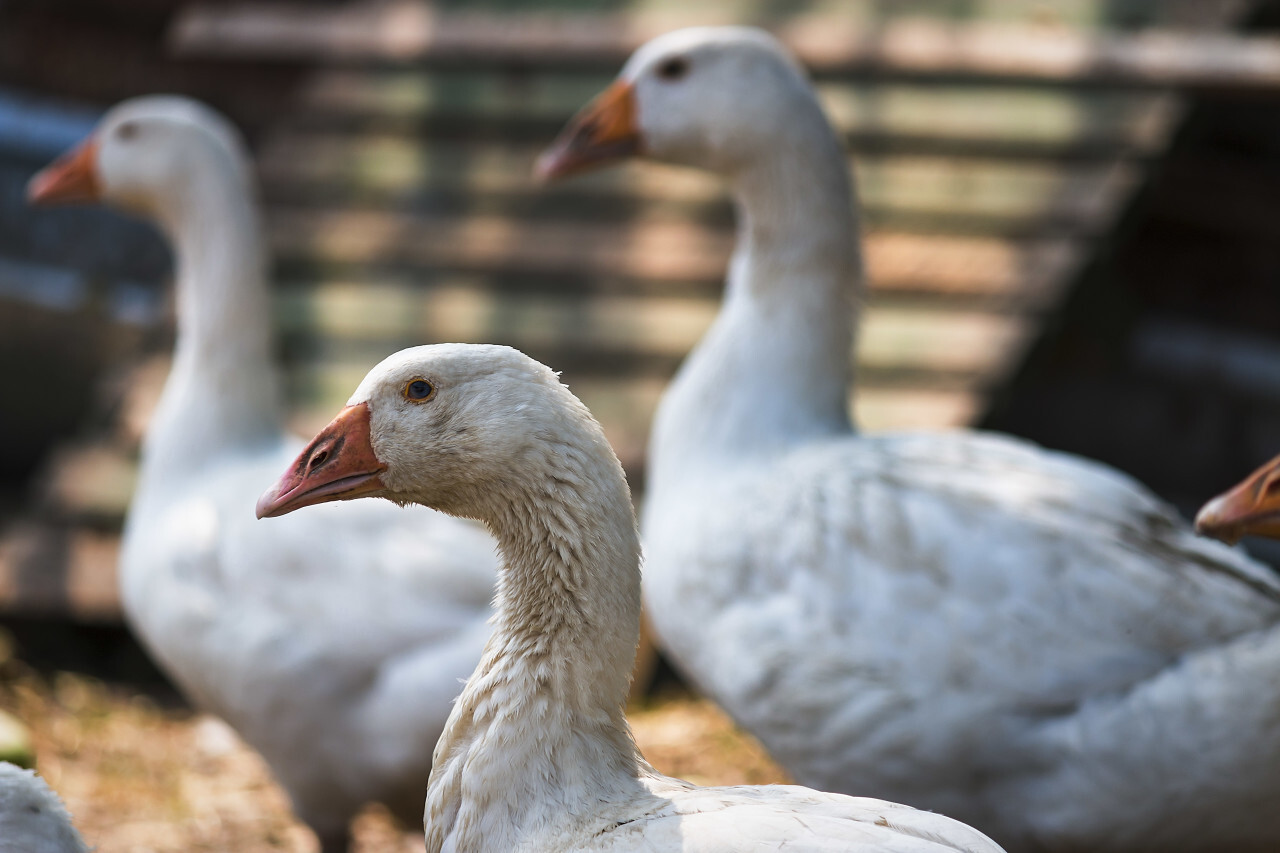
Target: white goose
537,754
1024,640
32,818
311,644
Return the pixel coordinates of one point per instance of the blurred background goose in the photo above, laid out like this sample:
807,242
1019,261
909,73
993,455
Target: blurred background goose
32,818
537,754
1027,641
336,660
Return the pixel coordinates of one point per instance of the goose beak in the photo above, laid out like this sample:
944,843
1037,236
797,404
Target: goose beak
72,177
1250,509
603,132
339,464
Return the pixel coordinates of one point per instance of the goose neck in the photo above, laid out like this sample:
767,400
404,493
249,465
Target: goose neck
774,369
539,731
222,390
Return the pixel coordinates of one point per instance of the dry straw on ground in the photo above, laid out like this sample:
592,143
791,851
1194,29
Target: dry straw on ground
144,779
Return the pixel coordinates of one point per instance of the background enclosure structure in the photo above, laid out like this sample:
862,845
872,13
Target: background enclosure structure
1030,179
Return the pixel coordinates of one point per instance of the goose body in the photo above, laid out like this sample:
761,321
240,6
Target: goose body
32,818
307,641
1024,640
537,754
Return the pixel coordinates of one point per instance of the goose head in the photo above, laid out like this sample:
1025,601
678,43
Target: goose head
450,426
714,98
147,156
1251,508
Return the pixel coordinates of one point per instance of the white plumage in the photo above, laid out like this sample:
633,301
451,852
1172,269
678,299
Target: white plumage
1026,641
537,754
334,657
32,818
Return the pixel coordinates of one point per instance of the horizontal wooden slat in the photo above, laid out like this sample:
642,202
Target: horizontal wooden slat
973,342
55,569
1082,15
95,479
938,270
675,253
1009,121
408,31
968,194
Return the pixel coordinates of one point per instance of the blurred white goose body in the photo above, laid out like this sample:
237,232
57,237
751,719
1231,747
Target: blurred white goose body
537,754
1024,640
335,660
32,818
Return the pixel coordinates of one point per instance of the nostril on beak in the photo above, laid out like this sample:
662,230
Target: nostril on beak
318,458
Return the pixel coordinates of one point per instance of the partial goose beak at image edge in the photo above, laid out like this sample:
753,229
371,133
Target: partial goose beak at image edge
1251,508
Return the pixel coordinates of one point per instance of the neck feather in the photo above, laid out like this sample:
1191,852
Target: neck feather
539,731
774,369
223,389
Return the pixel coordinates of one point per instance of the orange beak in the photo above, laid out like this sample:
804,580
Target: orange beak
603,132
339,464
72,177
1250,509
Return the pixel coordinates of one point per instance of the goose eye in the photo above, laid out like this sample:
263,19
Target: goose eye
126,131
419,391
674,68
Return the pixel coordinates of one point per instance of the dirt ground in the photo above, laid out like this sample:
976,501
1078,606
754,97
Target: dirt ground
145,779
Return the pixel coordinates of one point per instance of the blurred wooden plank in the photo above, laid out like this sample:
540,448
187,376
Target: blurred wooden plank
58,569
960,271
532,104
93,587
910,338
1069,14
476,179
94,481
1025,274
672,252
398,31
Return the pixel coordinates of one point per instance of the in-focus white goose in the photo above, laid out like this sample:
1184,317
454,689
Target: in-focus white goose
336,660
32,818
537,754
1024,640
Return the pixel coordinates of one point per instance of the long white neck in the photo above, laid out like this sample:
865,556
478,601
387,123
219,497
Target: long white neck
222,393
773,370
539,734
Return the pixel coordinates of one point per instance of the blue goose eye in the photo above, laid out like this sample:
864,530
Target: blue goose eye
419,391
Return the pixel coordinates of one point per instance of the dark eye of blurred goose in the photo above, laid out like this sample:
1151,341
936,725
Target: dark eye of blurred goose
419,391
128,130
674,68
